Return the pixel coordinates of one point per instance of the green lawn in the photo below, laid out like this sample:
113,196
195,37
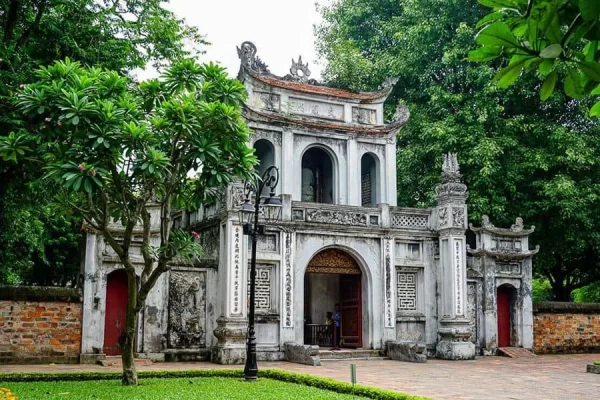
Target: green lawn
165,389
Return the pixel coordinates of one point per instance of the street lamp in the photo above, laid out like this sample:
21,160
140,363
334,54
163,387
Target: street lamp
248,215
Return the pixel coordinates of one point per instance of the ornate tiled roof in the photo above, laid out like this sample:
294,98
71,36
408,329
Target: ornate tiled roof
299,78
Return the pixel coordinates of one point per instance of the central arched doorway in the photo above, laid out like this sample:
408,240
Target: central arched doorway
333,277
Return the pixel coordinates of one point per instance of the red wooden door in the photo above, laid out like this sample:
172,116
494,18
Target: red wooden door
117,295
503,300
351,310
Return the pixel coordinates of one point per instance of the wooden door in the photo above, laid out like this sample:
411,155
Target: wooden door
117,295
503,300
351,310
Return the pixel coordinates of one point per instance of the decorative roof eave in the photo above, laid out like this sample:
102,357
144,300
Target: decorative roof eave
298,78
503,254
321,90
387,130
516,230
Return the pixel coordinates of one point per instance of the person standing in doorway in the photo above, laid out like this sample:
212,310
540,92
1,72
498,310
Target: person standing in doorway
336,327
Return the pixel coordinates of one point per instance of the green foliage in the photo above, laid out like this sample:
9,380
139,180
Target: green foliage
519,156
551,39
116,152
206,377
118,35
587,294
541,290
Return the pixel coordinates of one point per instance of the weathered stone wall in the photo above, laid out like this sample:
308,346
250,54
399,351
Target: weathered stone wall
566,327
39,325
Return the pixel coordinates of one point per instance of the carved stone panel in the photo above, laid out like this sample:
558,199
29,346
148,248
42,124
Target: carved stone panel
406,291
336,217
508,268
364,116
472,310
458,217
267,243
187,309
209,239
316,109
416,221
288,283
263,283
266,101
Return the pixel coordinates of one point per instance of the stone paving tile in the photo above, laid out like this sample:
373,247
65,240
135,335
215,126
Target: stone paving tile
548,377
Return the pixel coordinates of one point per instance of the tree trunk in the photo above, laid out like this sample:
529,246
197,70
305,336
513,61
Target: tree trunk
130,377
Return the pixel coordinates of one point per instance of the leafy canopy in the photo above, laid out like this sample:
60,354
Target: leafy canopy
120,35
116,149
557,40
519,156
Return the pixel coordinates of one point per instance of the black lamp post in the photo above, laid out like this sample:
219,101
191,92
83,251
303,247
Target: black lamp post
249,214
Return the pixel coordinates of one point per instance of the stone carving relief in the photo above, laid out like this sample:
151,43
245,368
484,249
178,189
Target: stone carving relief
299,71
508,268
458,217
266,101
187,309
472,310
443,216
288,282
209,239
298,214
518,225
273,137
365,116
451,178
237,197
336,217
333,261
316,109
267,243
247,54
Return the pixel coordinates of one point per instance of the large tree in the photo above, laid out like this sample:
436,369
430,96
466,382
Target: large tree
115,150
555,39
117,34
520,157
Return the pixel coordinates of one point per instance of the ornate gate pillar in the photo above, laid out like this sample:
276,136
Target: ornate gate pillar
454,329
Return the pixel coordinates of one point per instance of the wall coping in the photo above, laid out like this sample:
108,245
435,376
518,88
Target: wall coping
566,308
40,293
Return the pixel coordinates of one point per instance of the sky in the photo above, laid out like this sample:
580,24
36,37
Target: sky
280,29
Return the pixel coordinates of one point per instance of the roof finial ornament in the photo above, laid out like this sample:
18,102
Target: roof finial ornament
299,71
247,54
450,165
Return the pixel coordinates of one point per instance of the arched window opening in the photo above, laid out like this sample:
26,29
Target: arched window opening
265,153
368,181
317,176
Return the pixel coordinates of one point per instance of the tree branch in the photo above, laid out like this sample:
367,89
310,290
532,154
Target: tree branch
38,16
11,21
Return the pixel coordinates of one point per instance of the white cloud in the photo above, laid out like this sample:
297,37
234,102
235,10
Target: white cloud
280,29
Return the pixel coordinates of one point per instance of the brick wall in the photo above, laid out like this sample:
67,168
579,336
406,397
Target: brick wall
39,325
566,327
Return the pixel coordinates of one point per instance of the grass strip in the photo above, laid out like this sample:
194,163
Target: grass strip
275,374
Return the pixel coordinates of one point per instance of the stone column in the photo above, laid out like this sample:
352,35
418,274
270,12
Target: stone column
232,324
389,173
353,186
453,330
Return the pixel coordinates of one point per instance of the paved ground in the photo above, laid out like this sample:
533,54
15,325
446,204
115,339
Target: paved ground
487,378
